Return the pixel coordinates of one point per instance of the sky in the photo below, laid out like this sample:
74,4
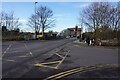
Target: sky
67,14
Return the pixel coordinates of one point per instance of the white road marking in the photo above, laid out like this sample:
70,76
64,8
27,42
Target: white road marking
28,50
22,56
6,50
9,60
31,53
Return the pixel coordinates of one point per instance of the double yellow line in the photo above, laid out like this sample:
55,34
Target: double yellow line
73,71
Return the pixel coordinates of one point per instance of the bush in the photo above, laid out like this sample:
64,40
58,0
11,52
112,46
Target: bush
113,42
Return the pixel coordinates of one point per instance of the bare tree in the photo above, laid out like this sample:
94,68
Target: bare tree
115,17
31,23
2,19
96,15
8,20
101,16
44,19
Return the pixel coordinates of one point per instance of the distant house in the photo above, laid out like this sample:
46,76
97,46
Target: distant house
71,32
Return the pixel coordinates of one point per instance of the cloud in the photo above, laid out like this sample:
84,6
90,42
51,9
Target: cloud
21,20
83,5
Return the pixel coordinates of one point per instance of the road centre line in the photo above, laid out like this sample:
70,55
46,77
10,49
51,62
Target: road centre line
6,50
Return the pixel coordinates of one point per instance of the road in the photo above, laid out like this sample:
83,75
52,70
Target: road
16,54
37,59
77,58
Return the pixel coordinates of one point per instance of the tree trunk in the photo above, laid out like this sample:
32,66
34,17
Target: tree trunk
43,32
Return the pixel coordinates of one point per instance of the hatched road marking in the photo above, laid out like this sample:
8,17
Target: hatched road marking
48,63
53,62
43,65
59,55
62,59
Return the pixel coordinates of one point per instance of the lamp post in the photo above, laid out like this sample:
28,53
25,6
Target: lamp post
35,22
81,28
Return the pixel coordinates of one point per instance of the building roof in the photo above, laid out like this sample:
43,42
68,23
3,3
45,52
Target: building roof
73,29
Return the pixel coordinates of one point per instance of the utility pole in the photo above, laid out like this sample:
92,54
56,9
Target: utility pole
35,22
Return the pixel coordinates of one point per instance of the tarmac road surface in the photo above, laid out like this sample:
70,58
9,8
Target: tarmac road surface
18,53
35,59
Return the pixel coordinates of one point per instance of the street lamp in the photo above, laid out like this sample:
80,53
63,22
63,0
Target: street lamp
81,28
35,22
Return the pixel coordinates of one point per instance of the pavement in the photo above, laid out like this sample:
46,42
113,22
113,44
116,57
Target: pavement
82,54
58,60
